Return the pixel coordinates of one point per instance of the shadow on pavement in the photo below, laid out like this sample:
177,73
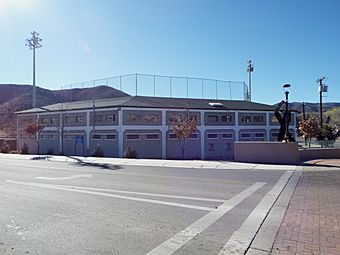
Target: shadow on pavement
334,163
41,158
99,165
321,165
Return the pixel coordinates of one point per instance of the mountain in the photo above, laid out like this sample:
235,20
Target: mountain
14,97
313,107
331,111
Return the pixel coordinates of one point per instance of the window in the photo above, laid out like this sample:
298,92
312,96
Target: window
258,119
228,146
151,117
212,136
132,137
172,136
274,120
98,118
54,120
275,134
96,137
44,120
193,136
259,135
245,135
68,119
227,136
67,137
134,117
211,147
110,137
48,136
110,117
174,116
80,119
152,137
245,119
227,118
212,118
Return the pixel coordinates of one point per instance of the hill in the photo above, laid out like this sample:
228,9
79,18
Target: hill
330,110
313,107
15,98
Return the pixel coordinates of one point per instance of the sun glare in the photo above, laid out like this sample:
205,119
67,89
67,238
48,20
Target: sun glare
17,5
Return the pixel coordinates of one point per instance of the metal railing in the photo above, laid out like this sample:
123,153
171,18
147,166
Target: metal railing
170,86
314,143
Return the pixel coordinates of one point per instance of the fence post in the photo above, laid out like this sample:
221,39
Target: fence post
136,84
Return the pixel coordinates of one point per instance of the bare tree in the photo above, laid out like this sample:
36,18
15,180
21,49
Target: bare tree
35,128
309,128
183,128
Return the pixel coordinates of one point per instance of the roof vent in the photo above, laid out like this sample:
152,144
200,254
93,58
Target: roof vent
216,104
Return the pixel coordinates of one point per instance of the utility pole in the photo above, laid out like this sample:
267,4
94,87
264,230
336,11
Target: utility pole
250,69
34,43
303,110
321,89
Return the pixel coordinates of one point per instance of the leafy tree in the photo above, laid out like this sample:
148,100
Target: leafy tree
309,128
328,132
35,128
333,117
183,128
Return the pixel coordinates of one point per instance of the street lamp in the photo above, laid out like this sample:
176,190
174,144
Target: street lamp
286,88
34,43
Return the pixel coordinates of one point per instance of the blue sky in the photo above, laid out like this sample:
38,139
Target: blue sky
288,41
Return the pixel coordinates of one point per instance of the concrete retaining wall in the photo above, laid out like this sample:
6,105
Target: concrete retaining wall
319,153
267,152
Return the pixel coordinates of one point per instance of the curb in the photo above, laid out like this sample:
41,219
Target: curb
264,240
188,164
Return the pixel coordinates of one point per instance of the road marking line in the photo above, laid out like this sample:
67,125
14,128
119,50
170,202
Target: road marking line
241,239
60,187
180,239
79,169
64,178
146,194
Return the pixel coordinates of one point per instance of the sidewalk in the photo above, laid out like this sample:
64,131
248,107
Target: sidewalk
197,164
312,221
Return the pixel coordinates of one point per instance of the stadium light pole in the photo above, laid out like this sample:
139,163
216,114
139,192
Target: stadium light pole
34,43
250,69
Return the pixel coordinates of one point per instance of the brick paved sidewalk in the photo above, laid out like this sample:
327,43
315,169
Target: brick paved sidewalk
312,221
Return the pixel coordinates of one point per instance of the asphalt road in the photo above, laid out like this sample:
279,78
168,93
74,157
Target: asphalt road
73,208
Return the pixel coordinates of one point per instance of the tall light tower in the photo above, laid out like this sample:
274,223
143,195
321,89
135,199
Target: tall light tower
250,69
34,43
